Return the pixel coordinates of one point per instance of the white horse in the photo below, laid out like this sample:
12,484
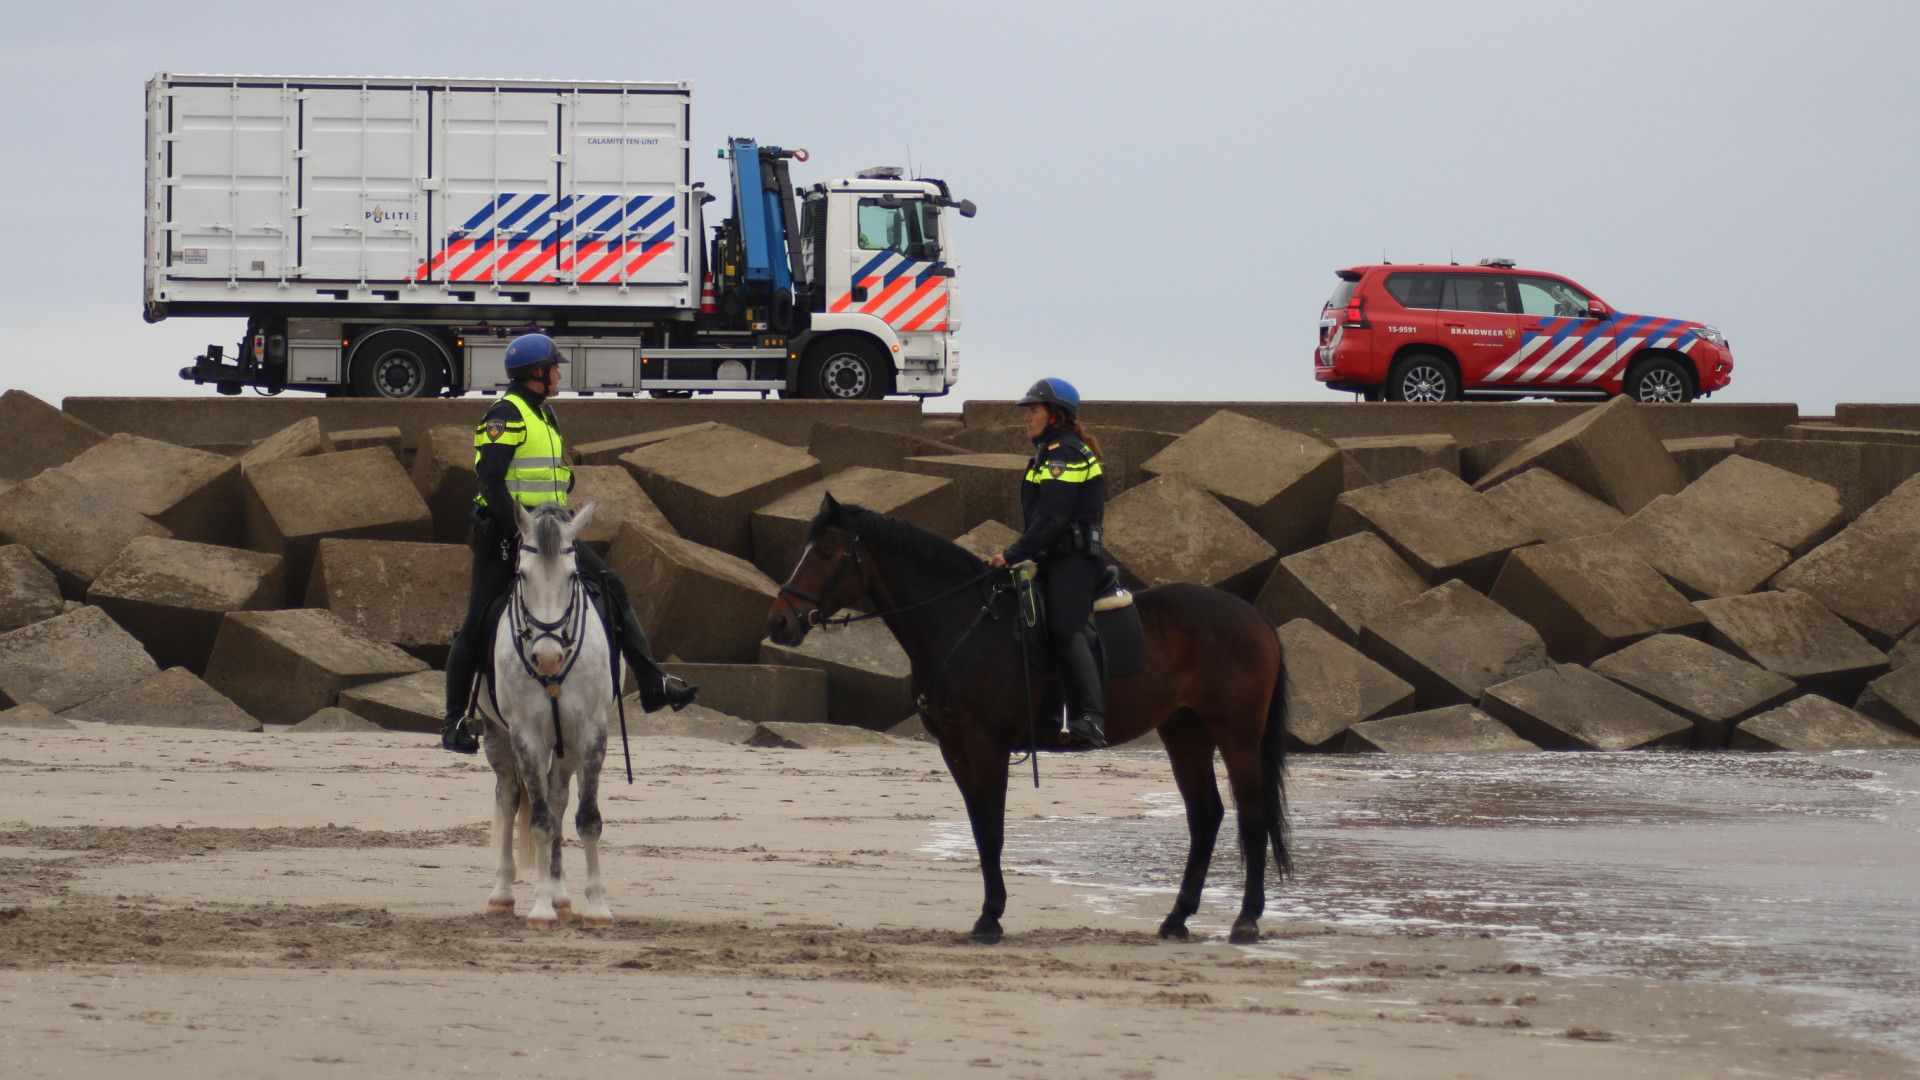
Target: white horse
547,719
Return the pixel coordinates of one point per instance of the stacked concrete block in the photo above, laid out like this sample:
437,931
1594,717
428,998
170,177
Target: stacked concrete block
302,438
412,702
1124,453
1389,457
1894,699
333,720
1455,729
1868,578
987,485
1479,458
780,527
1905,651
693,722
1814,724
1790,634
28,591
609,451
1168,530
709,483
993,439
839,447
388,438
1330,687
33,717
1452,643
193,494
69,659
173,698
618,500
817,737
1780,507
695,602
1438,524
282,666
1708,686
1862,473
1567,707
1280,482
1339,585
75,529
869,678
443,475
172,595
1696,455
1609,452
1553,508
987,538
294,503
406,594
1703,554
39,436
1588,598
760,692
1843,433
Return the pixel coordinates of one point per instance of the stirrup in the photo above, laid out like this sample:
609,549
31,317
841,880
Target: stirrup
1087,731
456,734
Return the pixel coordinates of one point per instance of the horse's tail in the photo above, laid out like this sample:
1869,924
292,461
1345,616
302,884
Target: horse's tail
523,824
1273,769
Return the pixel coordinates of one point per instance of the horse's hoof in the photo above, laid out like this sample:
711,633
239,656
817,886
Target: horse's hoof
563,909
499,907
542,925
986,937
596,922
1173,931
1243,934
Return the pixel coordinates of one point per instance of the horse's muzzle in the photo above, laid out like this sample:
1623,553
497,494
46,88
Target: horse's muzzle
785,629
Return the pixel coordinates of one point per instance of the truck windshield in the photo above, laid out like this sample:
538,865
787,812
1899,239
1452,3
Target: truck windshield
901,225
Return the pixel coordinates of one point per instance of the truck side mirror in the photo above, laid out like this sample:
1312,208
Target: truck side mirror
966,208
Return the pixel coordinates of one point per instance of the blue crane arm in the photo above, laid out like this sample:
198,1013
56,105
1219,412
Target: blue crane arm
760,204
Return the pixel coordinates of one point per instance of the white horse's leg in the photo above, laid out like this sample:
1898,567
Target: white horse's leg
561,788
506,806
586,822
546,830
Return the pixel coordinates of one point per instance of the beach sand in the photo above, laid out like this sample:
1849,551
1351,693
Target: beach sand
207,904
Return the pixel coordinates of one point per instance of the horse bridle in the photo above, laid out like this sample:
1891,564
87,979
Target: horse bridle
848,555
568,631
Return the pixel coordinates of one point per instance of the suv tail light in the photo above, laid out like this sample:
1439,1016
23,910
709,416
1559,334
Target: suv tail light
1355,316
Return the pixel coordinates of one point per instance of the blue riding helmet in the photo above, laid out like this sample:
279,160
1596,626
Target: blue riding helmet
1055,393
531,351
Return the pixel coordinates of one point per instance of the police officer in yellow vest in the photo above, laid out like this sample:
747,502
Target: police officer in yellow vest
520,456
1063,500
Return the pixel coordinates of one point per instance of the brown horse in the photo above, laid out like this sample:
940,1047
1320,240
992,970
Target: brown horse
1211,680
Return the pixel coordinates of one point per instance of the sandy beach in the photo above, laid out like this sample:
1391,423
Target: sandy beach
192,903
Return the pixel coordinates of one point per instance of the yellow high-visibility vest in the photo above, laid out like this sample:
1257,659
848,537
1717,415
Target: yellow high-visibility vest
539,472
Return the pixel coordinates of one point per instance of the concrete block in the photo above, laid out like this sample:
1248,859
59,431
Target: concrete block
294,503
1456,729
68,660
987,538
1704,555
1168,530
74,529
172,595
406,594
869,678
1878,414
1280,482
709,483
913,727
817,737
1480,458
302,438
1567,707
760,692
404,703
1866,578
1839,433
39,436
1588,598
987,485
694,602
1442,527
1712,688
780,527
839,447
1896,515
1894,699
620,501
333,720
1780,507
1553,508
1330,687
1124,453
1339,585
174,698
994,438
609,451
1696,455
193,494
1452,643
1813,725
33,716
1353,475
1610,452
28,591
388,437
1906,650
1389,457
282,666
1790,634
693,722
443,474
1863,473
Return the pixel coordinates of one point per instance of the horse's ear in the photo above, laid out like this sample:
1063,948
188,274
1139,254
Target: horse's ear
524,519
828,506
579,523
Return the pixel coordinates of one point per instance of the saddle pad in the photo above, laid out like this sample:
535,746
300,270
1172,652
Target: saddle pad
1121,639
1112,601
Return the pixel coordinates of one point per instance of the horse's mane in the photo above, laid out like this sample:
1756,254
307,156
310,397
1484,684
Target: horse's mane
929,550
547,518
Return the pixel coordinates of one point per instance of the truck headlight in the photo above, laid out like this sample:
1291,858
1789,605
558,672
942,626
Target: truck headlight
1713,335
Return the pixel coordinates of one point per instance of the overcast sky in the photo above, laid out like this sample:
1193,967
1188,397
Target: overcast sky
1165,190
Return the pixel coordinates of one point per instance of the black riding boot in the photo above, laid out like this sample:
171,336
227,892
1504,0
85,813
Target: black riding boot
657,689
454,733
1086,696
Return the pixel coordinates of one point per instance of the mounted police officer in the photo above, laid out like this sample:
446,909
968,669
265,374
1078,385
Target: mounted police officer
519,456
1063,499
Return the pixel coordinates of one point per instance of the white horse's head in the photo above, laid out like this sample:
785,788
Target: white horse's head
547,568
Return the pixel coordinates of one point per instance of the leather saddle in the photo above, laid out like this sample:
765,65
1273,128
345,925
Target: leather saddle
1114,628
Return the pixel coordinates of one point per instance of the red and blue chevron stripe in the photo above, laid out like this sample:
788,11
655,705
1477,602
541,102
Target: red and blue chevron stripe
905,294
1580,351
534,237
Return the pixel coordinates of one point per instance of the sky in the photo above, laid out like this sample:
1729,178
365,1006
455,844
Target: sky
1165,190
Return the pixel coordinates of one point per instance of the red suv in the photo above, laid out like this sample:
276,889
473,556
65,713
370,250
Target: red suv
1441,333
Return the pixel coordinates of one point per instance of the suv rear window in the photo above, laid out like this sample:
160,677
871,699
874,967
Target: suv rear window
1416,290
1341,294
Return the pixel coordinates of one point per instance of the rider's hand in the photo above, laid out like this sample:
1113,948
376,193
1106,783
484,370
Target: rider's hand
998,560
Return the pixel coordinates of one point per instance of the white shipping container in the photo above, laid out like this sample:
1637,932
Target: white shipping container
270,189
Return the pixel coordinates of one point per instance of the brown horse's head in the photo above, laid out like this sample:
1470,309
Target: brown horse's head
830,576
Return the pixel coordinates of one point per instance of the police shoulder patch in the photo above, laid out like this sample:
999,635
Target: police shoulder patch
495,429
1056,469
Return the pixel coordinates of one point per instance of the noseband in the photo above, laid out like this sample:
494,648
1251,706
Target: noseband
849,556
568,631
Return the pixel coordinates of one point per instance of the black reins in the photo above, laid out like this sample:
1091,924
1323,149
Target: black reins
567,631
850,556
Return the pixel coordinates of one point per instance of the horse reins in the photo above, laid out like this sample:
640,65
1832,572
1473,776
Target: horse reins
851,555
568,631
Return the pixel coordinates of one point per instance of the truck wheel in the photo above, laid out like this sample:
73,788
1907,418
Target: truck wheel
398,364
846,369
1422,377
1659,380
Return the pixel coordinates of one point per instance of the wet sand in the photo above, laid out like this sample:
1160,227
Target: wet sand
201,904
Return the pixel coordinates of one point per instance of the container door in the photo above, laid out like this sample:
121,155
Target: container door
226,165
362,213
497,180
622,218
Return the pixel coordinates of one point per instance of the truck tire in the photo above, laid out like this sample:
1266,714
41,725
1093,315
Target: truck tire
845,369
1422,377
398,364
1660,380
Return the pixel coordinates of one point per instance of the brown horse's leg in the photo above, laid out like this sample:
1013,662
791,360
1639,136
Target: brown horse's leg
981,772
1191,753
1246,778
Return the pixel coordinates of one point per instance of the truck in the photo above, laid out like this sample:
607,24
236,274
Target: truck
387,237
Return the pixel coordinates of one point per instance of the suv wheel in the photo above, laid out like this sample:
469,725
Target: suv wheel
1422,377
1659,381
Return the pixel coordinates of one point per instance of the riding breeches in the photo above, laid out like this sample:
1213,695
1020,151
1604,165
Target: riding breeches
1068,584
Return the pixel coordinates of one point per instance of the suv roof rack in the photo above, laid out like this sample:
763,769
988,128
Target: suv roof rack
1504,264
